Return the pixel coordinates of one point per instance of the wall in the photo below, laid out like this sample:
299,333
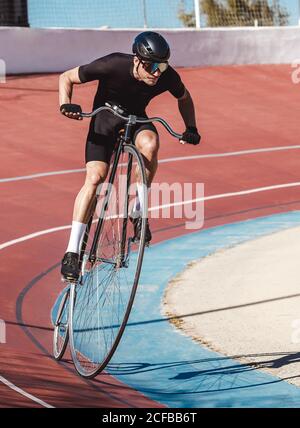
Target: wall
27,50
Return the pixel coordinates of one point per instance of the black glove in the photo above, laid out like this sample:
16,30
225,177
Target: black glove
73,111
191,135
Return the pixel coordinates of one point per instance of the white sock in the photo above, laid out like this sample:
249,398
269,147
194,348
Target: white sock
76,236
138,207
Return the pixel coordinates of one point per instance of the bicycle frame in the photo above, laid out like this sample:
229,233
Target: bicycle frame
81,324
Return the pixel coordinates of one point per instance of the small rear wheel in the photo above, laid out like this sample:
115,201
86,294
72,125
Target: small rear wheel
61,328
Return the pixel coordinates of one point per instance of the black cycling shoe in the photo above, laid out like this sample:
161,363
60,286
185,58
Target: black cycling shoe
69,267
137,225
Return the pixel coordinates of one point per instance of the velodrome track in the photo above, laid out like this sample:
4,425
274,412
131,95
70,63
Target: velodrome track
248,161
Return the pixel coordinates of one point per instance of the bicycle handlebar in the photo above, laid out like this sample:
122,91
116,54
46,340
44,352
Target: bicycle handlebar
134,119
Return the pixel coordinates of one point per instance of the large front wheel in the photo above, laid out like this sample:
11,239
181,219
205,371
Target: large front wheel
105,294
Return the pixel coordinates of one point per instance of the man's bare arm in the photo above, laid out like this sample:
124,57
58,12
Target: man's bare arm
187,110
66,82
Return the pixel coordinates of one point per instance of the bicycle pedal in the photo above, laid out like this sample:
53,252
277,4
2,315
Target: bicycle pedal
68,280
136,241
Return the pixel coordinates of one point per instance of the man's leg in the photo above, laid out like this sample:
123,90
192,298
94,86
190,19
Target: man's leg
147,142
96,172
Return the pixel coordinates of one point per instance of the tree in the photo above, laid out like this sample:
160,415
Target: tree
188,19
222,13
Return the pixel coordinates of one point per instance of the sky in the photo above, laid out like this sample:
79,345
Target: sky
118,13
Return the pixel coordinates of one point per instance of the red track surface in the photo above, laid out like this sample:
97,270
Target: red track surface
238,108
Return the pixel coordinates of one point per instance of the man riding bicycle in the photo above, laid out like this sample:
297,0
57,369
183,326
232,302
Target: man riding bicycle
129,81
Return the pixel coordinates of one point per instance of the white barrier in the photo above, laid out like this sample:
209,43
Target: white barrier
2,71
30,50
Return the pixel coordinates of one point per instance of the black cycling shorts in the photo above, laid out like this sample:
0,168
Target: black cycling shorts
103,135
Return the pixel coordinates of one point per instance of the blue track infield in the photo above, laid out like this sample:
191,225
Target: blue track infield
169,367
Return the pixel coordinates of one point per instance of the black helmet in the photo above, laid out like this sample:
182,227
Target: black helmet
151,46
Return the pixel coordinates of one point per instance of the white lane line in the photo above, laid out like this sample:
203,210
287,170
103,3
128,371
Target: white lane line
221,155
159,207
25,394
227,195
176,159
44,174
33,235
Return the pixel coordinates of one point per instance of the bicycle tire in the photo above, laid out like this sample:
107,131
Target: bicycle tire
89,357
61,329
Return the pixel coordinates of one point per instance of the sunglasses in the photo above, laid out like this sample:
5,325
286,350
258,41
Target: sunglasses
152,67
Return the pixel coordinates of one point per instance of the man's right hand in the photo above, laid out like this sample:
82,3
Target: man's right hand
191,136
72,111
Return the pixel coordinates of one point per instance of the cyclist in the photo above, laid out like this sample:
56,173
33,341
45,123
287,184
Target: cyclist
130,81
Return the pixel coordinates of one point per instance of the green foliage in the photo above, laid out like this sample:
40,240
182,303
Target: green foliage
188,19
222,13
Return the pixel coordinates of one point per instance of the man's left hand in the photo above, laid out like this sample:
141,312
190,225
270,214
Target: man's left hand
191,136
